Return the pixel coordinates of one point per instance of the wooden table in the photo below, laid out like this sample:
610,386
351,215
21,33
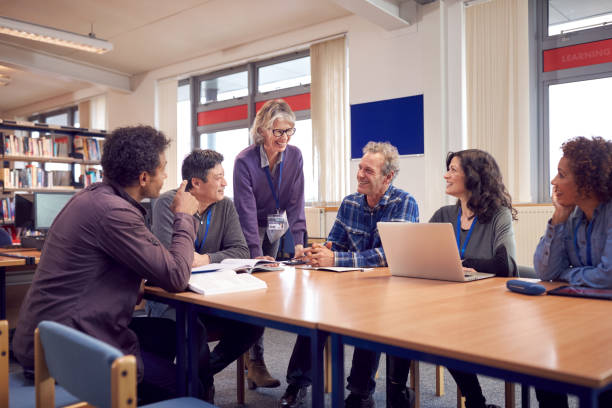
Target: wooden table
18,257
558,343
292,302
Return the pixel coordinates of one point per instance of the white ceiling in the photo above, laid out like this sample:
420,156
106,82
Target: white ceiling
146,34
562,11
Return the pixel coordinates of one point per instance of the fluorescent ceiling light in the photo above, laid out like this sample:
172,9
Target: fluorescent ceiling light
53,36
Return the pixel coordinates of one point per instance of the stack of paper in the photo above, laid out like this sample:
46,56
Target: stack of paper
224,281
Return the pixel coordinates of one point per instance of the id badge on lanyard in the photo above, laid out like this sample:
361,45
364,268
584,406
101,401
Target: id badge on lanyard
277,222
277,225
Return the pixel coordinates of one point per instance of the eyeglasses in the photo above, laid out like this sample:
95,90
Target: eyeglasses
279,132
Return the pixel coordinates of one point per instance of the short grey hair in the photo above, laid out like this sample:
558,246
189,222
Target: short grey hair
269,112
389,153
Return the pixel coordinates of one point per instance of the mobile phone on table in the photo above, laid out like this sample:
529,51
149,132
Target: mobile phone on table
294,262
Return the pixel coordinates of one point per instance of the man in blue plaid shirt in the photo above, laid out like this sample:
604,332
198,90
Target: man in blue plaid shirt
354,241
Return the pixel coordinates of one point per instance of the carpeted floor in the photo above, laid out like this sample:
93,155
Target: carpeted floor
278,346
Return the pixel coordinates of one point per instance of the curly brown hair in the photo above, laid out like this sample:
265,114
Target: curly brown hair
483,180
590,160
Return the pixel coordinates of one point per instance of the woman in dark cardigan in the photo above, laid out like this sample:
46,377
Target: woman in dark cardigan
482,218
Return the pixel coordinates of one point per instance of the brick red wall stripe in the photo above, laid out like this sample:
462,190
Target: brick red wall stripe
597,52
223,115
297,102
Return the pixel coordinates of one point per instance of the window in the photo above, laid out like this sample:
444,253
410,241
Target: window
61,117
226,109
229,143
284,75
574,77
566,17
224,87
586,100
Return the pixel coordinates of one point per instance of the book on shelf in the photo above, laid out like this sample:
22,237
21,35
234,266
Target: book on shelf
8,210
31,176
61,177
91,175
60,147
28,146
224,281
240,265
88,148
34,147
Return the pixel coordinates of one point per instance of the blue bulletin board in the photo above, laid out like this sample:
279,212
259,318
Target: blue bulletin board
398,121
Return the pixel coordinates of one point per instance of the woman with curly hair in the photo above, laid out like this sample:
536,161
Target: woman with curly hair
482,218
577,245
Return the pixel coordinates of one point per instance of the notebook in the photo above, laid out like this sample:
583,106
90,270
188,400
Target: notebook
240,265
224,281
426,251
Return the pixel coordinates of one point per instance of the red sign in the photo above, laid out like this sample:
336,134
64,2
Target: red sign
223,115
297,102
580,55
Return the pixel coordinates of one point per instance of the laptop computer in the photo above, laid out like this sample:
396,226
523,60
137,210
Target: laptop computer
426,251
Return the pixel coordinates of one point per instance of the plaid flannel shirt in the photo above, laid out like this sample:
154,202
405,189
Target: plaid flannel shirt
354,235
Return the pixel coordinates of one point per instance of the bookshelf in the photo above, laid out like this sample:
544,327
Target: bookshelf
26,149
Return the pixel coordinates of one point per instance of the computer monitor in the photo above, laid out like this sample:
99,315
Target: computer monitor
24,211
47,206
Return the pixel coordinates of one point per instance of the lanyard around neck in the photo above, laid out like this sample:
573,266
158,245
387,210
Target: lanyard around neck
196,245
458,232
271,182
589,230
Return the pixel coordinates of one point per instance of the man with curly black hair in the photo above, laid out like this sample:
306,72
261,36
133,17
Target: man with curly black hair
576,245
97,252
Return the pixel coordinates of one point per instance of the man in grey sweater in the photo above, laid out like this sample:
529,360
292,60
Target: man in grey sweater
219,236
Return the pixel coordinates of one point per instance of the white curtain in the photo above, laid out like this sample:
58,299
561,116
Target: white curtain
497,88
165,120
330,119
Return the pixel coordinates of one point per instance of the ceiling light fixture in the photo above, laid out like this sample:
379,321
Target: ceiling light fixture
54,36
4,80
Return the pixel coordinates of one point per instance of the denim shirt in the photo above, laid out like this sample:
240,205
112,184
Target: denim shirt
354,235
559,256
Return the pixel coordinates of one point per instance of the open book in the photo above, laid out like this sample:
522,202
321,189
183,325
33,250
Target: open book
242,265
334,268
224,281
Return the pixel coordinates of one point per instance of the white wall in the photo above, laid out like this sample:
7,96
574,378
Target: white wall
424,58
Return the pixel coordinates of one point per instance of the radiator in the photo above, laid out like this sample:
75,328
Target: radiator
315,222
528,229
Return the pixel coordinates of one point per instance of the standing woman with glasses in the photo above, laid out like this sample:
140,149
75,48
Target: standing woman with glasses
269,199
482,219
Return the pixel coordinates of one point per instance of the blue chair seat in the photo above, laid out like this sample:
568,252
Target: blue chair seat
22,393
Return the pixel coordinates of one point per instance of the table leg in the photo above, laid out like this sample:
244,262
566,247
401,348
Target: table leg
588,399
525,396
2,293
181,369
192,352
316,351
337,350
